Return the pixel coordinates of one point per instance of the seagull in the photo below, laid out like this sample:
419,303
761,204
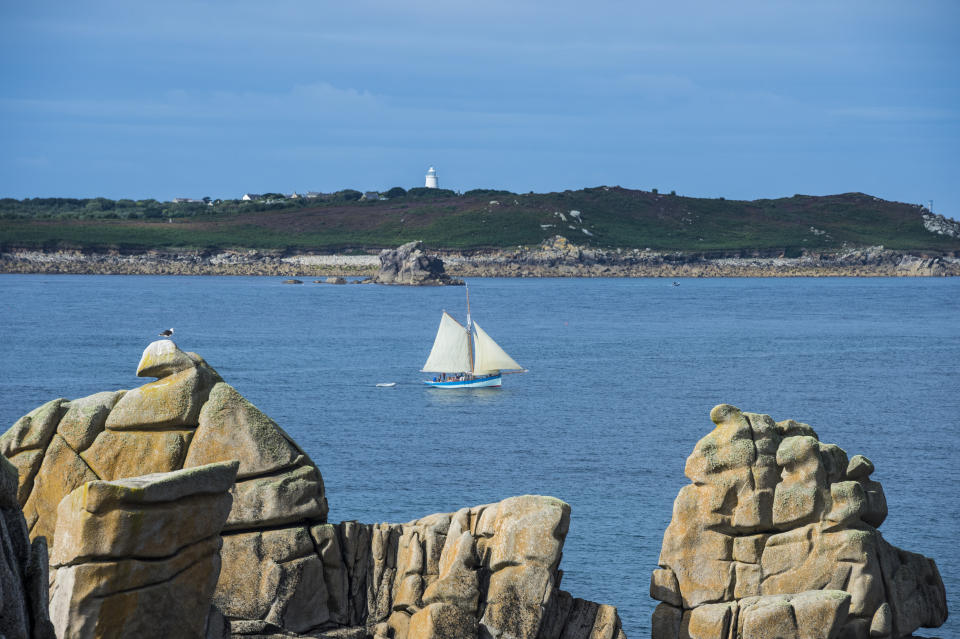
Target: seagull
166,333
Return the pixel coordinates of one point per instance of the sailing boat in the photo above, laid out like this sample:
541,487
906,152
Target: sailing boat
466,357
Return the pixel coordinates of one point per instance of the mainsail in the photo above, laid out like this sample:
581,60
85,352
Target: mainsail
451,349
490,357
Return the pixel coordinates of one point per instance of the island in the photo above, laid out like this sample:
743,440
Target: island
595,232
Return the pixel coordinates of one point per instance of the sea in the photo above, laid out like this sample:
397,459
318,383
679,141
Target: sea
622,376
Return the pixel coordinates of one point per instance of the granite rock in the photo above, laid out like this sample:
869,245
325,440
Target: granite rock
161,359
186,419
122,485
23,568
140,557
408,264
773,517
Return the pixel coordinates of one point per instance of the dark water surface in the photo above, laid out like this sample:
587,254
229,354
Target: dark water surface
623,374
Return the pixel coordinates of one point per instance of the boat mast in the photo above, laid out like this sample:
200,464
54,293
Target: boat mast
469,329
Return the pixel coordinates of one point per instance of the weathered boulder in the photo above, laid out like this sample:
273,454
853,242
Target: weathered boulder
187,418
25,442
23,568
816,614
490,570
774,517
408,264
140,557
162,358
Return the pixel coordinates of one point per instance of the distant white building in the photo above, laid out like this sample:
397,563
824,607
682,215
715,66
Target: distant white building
431,179
247,197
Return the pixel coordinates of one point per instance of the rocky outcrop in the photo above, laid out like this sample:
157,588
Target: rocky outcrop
140,557
408,264
23,568
777,536
941,225
186,419
186,263
489,570
555,257
558,257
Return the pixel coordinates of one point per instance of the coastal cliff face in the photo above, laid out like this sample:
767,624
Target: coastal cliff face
263,537
777,536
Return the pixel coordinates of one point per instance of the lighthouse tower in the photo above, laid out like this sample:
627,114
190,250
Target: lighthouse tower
431,178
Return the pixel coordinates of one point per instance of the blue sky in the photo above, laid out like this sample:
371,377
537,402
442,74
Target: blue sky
741,99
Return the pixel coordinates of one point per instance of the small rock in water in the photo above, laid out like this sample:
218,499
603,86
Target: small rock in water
292,281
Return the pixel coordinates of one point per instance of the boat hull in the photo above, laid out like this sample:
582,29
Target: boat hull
491,381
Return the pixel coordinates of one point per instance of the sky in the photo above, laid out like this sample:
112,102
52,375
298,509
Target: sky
741,99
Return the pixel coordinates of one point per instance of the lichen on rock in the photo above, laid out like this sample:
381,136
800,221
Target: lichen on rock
140,556
129,545
777,536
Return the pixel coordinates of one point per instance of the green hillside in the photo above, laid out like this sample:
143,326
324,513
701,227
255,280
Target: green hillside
608,217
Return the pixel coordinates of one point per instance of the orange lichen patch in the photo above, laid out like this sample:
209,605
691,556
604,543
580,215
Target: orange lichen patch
171,402
61,472
117,454
86,417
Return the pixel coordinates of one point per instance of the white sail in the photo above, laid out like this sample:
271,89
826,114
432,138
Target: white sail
490,357
451,349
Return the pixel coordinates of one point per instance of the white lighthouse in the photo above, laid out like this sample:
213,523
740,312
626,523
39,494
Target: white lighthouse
431,179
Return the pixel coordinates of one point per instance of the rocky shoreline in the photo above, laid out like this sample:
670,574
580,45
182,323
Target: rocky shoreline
562,259
554,258
179,509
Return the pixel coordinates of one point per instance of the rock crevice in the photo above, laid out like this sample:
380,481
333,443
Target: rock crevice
777,536
257,545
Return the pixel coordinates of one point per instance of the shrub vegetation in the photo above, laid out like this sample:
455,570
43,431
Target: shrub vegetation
482,218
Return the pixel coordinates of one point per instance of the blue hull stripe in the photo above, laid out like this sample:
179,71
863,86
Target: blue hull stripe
462,383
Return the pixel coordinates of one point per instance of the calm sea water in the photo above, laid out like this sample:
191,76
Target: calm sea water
623,374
